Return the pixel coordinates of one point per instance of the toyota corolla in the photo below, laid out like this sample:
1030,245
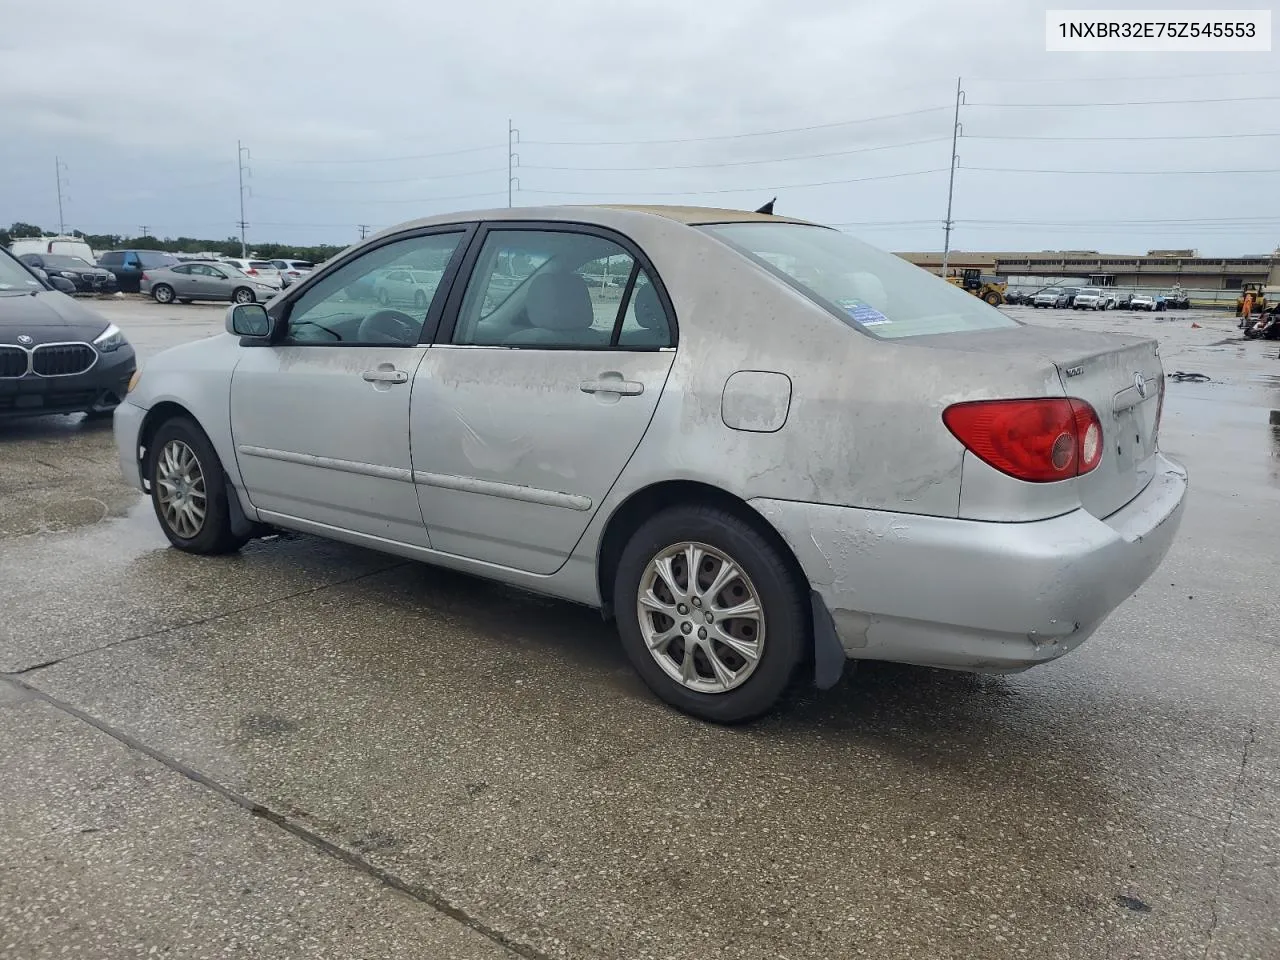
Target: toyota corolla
763,447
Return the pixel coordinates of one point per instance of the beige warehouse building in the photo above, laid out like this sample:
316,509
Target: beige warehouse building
1159,269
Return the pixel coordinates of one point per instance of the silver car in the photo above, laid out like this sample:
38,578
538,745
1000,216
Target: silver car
205,281
772,449
406,286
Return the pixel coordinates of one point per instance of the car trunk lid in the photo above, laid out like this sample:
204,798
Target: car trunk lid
1100,368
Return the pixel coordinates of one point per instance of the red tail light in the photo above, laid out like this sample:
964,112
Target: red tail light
144,275
252,272
1036,440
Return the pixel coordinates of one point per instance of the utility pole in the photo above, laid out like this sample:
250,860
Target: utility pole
364,230
241,152
951,183
58,168
146,231
513,159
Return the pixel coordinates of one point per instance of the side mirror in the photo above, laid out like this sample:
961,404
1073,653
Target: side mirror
62,284
39,272
248,320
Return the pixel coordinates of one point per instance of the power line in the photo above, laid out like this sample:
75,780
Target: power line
1121,173
756,189
418,156
735,136
743,163
1185,76
459,196
434,176
1126,103
1172,136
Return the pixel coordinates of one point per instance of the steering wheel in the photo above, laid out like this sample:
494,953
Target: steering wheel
388,326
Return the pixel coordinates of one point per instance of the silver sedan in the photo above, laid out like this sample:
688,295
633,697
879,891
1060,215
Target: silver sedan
770,450
186,282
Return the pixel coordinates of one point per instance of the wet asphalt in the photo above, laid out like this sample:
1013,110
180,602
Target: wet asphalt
313,750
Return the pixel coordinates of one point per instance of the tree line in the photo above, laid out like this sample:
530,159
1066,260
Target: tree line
229,247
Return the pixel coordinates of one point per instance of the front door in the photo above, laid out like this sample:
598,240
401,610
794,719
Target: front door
526,410
320,420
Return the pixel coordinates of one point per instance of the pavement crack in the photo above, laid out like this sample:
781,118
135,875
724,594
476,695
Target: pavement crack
202,620
1250,739
424,895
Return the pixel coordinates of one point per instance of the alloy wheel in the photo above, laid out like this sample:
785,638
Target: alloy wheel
181,489
701,617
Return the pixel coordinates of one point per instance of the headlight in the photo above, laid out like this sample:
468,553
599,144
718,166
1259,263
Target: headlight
109,339
69,275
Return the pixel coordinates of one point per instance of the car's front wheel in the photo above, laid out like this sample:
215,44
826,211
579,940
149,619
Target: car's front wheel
162,293
710,613
189,490
242,295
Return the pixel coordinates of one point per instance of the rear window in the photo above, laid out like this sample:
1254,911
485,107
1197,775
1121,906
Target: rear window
872,290
303,265
115,258
150,258
262,265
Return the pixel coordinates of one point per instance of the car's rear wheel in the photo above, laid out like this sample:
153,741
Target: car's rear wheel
162,293
188,489
242,295
993,299
710,613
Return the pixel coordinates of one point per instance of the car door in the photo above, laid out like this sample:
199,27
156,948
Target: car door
218,282
181,279
539,388
320,418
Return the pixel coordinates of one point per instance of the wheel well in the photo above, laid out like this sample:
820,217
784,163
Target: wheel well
158,415
643,504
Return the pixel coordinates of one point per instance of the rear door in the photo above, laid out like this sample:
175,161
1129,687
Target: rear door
537,392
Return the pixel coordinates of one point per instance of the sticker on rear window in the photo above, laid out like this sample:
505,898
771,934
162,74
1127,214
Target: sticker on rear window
863,314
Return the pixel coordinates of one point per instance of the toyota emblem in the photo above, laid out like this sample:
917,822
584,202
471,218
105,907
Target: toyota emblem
1140,382
23,338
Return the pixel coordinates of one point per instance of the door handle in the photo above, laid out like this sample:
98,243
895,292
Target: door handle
630,388
385,376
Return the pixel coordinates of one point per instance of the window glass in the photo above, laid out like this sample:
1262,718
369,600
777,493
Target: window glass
150,258
544,288
111,259
870,289
645,323
184,268
357,304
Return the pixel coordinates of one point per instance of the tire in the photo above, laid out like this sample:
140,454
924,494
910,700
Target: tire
993,299
782,629
420,300
162,293
242,295
177,438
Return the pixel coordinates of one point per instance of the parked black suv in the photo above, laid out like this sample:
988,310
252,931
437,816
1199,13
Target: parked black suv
127,265
56,355
86,277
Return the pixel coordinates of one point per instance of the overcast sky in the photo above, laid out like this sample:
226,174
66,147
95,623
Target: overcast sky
347,108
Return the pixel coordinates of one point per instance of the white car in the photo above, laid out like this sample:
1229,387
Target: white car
1142,302
406,286
261,270
1091,298
291,271
758,471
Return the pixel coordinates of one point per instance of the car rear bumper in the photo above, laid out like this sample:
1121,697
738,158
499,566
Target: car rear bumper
975,595
97,390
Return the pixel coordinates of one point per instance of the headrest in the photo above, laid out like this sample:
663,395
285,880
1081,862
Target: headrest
559,301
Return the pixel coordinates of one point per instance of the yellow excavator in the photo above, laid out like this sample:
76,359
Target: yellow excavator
1259,298
988,288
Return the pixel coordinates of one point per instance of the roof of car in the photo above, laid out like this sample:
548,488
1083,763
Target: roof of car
602,213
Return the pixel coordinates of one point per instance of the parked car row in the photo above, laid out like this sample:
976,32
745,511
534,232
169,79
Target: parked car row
145,271
1098,298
